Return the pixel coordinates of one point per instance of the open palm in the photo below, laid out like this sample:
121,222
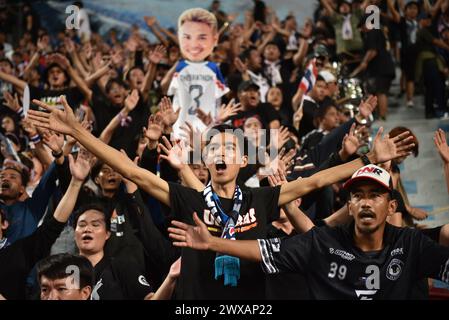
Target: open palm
441,144
57,120
173,154
80,167
185,235
385,148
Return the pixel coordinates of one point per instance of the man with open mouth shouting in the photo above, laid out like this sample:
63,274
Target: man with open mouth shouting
226,210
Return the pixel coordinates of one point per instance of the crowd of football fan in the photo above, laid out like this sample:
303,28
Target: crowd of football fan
322,82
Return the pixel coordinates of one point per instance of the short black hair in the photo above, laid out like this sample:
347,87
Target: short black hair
225,128
59,267
130,70
97,206
320,113
246,53
24,173
53,65
110,82
411,3
79,4
7,61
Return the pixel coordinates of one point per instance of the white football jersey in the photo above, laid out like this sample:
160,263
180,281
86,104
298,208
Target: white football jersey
196,85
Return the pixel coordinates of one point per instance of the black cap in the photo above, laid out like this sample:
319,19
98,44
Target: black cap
247,85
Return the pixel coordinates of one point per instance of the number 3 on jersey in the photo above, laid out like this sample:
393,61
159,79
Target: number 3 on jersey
339,271
196,92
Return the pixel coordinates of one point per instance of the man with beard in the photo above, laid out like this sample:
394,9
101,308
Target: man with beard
367,259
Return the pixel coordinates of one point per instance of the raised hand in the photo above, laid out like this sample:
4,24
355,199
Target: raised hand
367,107
277,179
175,269
29,128
205,118
11,102
132,100
157,54
351,143
279,138
227,111
154,131
53,140
441,144
87,48
69,45
241,67
191,135
175,155
385,148
187,236
150,21
57,120
80,167
169,116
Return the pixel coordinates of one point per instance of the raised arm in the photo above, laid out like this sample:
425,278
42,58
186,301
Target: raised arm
165,291
297,218
177,157
130,103
328,7
154,57
81,84
384,149
65,122
198,237
443,149
153,25
13,80
79,169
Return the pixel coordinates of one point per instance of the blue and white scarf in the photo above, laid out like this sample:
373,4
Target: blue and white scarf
225,265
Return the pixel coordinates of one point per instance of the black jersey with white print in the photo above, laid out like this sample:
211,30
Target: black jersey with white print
336,269
119,279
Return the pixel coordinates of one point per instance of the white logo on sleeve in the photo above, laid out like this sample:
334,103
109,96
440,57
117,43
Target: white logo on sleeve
143,281
95,295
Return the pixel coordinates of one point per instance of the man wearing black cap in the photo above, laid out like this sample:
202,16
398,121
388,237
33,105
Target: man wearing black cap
368,259
249,96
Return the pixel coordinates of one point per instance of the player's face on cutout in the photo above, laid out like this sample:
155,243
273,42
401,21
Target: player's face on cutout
370,205
197,40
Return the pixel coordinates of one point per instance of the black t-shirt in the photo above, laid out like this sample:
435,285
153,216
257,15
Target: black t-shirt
73,95
17,260
126,137
285,286
336,269
382,64
309,108
264,111
197,279
119,279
